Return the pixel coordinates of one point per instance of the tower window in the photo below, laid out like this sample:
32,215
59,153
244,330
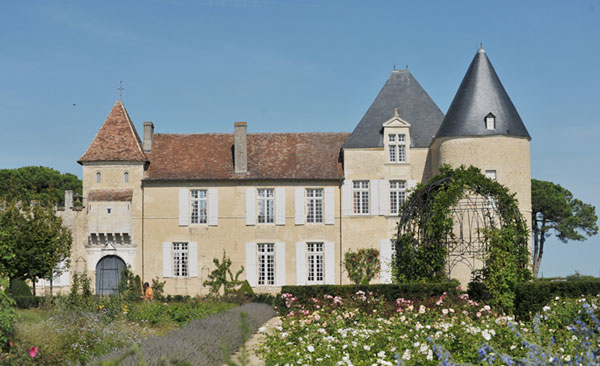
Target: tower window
126,177
98,177
490,122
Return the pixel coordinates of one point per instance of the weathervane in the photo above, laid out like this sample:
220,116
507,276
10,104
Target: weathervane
120,89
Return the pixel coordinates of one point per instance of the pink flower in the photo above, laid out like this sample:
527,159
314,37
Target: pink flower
478,314
33,351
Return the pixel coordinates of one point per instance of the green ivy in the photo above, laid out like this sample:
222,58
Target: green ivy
362,265
426,224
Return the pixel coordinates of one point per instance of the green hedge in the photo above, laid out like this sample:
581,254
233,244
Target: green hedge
28,302
415,291
531,297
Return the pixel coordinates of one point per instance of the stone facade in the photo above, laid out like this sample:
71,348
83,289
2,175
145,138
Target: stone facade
286,207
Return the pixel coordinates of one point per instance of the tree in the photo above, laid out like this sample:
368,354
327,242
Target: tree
37,183
33,241
554,210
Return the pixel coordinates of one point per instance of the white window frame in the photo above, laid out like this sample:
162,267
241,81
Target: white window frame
491,174
315,263
314,205
360,197
490,122
397,147
397,195
265,205
198,206
265,264
180,259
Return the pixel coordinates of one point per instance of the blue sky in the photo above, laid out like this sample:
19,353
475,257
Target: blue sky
292,66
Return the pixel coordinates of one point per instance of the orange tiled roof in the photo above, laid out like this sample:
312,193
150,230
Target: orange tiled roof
117,139
270,156
110,195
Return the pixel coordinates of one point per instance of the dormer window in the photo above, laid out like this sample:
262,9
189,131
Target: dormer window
397,147
490,122
98,177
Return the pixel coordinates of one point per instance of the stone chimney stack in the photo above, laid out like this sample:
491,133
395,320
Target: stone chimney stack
68,199
148,133
240,149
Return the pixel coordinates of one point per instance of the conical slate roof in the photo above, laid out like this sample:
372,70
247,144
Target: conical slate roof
404,92
117,139
479,94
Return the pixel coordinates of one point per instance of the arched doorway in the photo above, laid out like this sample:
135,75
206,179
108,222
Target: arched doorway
108,275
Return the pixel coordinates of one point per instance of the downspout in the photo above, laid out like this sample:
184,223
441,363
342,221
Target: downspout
341,234
143,231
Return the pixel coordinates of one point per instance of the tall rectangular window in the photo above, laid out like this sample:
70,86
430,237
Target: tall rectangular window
265,206
361,196
314,205
180,259
314,261
266,264
397,195
199,203
397,147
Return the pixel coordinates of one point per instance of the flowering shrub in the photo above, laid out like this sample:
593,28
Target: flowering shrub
368,330
362,265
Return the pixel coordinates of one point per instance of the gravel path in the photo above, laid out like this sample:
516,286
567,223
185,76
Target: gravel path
254,341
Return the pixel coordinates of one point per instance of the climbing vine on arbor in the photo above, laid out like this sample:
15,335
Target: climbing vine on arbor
426,227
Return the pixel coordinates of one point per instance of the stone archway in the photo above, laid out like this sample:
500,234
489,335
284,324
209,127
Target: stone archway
108,274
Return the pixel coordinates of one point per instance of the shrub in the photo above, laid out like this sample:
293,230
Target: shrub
391,292
18,287
158,287
129,286
8,315
28,302
362,265
531,297
200,341
218,277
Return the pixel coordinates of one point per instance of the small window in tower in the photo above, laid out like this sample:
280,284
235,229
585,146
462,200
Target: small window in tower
490,174
126,177
108,210
490,121
98,177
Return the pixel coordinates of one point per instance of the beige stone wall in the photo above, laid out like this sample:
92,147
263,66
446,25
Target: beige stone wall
161,214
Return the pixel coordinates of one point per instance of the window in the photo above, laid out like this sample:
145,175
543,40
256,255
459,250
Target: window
198,201
314,261
180,259
397,195
126,177
361,196
265,206
266,264
397,147
314,205
490,122
98,177
490,174
108,210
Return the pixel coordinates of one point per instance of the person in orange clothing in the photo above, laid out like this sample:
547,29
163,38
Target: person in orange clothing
148,292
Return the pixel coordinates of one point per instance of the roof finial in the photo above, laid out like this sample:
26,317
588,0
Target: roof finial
396,113
406,67
394,67
120,89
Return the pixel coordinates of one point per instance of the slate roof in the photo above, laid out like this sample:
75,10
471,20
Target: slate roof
270,156
404,92
117,139
110,195
480,93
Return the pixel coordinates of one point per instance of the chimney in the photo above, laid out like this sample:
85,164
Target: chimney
148,133
68,199
240,149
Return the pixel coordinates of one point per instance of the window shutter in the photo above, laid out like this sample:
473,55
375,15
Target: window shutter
374,196
251,263
385,257
213,207
410,184
301,263
328,206
329,270
299,206
250,206
384,197
347,208
193,259
184,216
167,264
280,206
280,264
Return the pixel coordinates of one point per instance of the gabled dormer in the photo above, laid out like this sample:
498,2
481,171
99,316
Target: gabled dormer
396,139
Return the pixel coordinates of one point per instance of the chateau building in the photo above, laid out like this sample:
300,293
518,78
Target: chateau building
285,206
